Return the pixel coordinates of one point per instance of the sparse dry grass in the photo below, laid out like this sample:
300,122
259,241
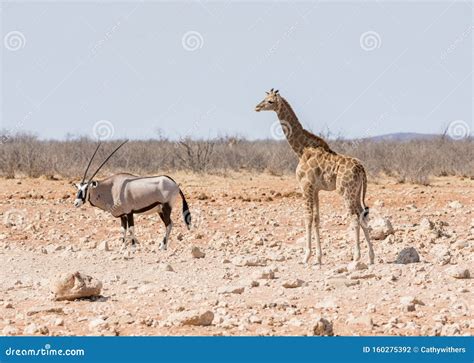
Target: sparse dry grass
412,161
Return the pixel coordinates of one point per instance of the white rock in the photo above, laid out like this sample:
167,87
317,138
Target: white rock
103,246
455,204
356,266
292,284
458,272
381,228
98,324
9,330
192,317
73,286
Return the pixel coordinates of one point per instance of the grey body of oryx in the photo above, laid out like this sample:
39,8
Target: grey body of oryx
124,195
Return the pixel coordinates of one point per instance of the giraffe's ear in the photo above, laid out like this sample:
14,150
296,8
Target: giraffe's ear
267,92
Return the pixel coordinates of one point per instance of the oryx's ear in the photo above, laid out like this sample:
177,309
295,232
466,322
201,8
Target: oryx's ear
94,184
77,185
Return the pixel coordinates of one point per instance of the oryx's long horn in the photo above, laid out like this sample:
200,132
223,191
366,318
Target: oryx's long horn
90,162
101,165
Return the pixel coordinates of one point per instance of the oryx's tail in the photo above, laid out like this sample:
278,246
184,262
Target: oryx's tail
364,215
186,212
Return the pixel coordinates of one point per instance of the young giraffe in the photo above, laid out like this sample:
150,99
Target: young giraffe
320,168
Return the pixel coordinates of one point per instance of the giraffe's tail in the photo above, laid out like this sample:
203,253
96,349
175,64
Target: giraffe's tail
364,215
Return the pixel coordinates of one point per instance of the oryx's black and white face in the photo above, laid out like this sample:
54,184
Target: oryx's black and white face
82,192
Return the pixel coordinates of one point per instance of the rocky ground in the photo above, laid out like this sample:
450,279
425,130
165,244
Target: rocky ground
239,271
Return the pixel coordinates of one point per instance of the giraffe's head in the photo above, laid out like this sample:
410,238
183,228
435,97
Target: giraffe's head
270,102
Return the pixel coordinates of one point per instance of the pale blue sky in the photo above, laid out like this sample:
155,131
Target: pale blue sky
75,63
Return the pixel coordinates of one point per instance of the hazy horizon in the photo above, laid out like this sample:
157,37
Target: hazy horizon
139,70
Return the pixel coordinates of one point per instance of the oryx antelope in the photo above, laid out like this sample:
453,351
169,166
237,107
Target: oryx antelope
124,195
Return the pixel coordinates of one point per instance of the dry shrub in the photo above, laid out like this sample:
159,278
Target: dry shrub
412,161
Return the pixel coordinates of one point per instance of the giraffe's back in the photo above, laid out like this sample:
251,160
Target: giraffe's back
328,170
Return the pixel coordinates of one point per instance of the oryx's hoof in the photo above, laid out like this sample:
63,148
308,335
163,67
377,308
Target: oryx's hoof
134,242
163,246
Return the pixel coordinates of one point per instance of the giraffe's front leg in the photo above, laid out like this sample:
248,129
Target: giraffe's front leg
316,229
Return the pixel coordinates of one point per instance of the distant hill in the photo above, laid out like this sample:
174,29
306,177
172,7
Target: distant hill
404,136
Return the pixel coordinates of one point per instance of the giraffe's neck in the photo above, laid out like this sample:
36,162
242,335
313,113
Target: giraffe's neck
297,136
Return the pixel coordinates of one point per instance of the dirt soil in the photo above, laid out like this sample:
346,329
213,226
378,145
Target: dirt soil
250,227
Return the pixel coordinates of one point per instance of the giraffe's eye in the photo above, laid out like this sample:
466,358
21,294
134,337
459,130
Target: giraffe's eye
270,101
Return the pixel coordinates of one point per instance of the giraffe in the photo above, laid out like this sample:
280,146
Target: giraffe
320,168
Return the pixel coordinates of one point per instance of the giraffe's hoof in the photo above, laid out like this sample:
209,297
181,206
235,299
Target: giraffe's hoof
306,258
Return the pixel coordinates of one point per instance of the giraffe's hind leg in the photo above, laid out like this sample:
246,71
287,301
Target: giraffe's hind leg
308,196
353,213
369,244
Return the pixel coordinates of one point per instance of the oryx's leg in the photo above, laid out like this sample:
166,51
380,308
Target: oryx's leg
165,215
131,228
123,221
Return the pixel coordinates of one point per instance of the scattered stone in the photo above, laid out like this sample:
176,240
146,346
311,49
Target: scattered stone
455,204
364,320
292,284
381,228
426,225
59,322
192,317
231,290
166,267
407,300
342,282
458,272
358,275
247,261
71,286
265,274
32,329
103,246
408,255
197,253
50,309
9,330
8,305
356,266
98,324
442,254
371,308
323,327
